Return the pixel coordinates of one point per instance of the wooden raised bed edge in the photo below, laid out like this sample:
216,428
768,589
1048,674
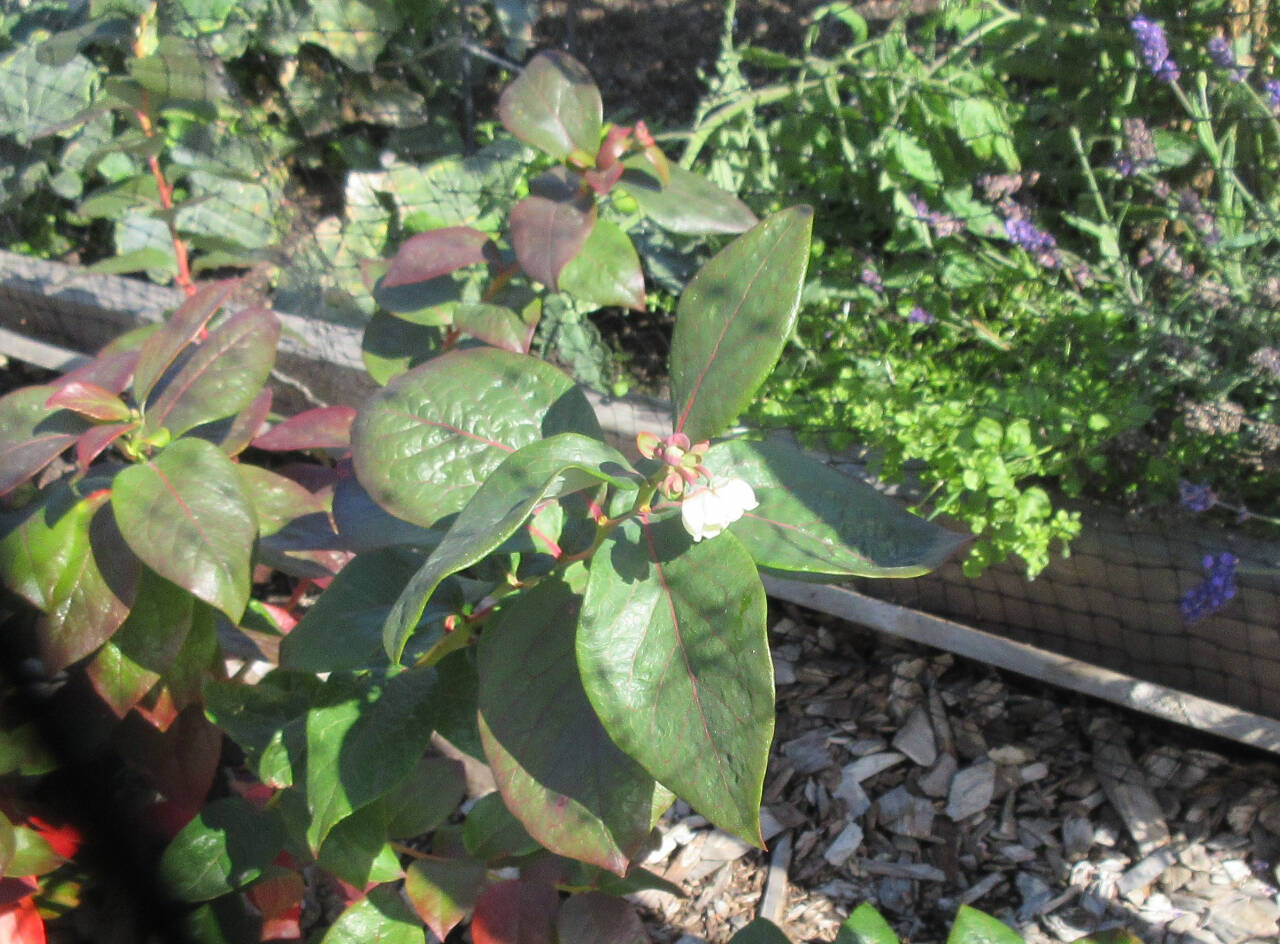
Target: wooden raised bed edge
54,315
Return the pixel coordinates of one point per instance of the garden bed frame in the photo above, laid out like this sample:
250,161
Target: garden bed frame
1104,622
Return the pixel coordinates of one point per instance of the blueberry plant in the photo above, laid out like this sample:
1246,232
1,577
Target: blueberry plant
500,583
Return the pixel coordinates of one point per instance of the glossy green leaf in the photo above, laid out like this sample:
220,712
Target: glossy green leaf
357,851
276,500
673,655
567,782
866,926
687,203
221,377
343,629
67,559
759,931
265,720
184,513
547,234
426,798
134,659
597,918
444,891
733,320
606,271
424,443
179,69
559,465
35,96
353,31
814,519
32,434
224,848
492,832
381,917
363,525
390,346
553,105
25,852
976,927
161,348
359,749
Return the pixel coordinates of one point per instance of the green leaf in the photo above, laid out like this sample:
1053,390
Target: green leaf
359,749
381,917
492,832
136,260
597,918
687,203
760,931
259,718
673,655
814,519
184,513
911,158
424,443
606,271
133,660
733,320
426,798
35,97
390,346
444,891
866,926
558,771
221,377
353,31
357,851
224,848
343,630
560,465
975,927
554,105
67,559
498,325
161,348
984,129
179,69
34,434
547,234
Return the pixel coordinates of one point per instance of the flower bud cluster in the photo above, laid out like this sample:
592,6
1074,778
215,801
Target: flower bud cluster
682,459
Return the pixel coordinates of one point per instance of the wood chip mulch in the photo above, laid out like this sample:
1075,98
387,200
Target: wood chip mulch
919,782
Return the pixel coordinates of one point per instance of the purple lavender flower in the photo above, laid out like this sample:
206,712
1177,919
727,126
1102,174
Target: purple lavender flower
943,224
1212,593
918,315
1272,88
871,279
1155,49
1224,57
1026,235
1196,497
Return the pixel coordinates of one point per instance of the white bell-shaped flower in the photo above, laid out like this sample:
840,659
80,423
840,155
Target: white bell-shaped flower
709,509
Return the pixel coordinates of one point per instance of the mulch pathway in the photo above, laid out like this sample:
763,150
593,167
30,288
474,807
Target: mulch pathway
919,782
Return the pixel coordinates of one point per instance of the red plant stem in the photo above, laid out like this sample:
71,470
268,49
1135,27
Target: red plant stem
304,585
187,284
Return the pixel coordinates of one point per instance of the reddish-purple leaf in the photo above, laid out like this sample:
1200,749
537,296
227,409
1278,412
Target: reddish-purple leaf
33,435
97,438
184,326
515,912
222,375
88,399
181,762
615,144
602,181
597,918
438,252
110,371
554,105
327,427
546,234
